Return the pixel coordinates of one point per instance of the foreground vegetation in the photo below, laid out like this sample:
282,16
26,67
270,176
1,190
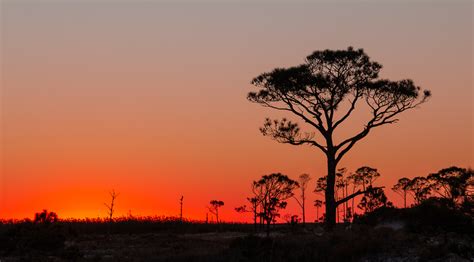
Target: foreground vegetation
431,231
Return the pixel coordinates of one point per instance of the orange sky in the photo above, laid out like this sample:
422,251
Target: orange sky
150,99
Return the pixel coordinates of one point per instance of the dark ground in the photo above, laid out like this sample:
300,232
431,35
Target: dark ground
424,234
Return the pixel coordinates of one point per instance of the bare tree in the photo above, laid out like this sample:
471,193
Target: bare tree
323,92
111,206
303,181
214,208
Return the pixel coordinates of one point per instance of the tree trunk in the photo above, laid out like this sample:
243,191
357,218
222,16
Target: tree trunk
268,227
304,213
317,214
304,218
346,205
255,219
329,194
353,199
405,199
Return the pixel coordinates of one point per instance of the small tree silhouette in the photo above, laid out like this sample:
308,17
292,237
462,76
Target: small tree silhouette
214,208
453,184
373,198
401,188
321,185
111,206
273,190
291,219
318,204
303,181
45,217
254,204
366,176
420,188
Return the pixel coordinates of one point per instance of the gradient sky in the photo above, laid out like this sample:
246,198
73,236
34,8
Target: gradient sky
149,98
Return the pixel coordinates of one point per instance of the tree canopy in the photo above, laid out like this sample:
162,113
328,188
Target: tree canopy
315,90
272,191
323,92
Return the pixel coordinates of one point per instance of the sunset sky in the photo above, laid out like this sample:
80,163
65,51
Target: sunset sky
149,98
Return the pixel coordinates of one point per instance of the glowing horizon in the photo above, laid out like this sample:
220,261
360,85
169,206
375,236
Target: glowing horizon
149,99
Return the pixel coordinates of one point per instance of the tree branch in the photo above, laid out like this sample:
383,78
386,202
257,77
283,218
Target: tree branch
359,192
353,103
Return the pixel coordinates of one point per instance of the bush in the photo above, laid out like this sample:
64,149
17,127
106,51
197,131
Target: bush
431,216
434,215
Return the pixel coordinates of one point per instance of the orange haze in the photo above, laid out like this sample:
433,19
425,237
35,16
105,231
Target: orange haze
149,99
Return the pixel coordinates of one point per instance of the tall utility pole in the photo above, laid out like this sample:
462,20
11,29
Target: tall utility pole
181,209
